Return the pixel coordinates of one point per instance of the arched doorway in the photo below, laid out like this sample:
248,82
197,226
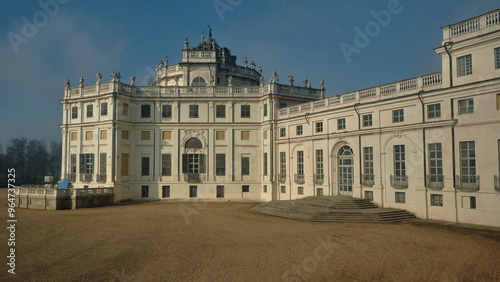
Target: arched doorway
345,171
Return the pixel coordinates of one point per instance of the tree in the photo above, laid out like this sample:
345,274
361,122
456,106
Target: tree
3,167
37,159
55,157
15,157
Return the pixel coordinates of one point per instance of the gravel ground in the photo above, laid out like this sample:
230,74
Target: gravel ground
226,242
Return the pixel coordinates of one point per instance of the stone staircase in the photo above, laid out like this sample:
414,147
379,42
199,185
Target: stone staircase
333,209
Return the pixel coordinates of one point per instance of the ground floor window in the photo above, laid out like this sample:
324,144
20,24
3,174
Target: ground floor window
265,189
369,195
319,191
283,189
437,200
145,191
400,197
245,188
165,191
193,191
300,190
220,191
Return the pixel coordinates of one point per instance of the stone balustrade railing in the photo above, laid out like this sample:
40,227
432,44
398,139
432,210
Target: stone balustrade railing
481,23
401,88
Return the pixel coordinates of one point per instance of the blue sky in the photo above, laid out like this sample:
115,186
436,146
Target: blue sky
303,38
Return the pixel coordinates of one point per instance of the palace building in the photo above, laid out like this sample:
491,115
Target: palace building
209,129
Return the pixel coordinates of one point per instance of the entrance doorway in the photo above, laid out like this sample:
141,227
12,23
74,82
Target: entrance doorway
346,171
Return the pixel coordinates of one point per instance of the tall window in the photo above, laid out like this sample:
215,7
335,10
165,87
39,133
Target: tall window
145,166
341,124
319,127
435,163
124,164
125,109
464,65
300,163
434,111
166,111
145,111
220,191
87,163
245,165
265,164
165,191
299,130
72,168
319,165
102,167
398,115
193,191
368,175
220,111
166,164
74,112
193,111
282,132
265,110
497,58
144,191
104,109
245,111
283,164
399,163
367,120
220,164
90,111
466,106
468,162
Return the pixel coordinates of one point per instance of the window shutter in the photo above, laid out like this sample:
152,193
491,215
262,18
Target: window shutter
82,163
202,163
184,163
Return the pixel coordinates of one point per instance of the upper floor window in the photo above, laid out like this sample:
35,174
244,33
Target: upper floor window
341,124
434,111
497,58
193,111
125,109
282,132
104,109
299,130
145,111
265,110
74,112
199,81
367,120
245,111
466,106
90,111
282,105
166,111
464,65
398,116
220,111
319,127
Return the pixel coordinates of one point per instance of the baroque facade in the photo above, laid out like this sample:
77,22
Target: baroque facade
211,129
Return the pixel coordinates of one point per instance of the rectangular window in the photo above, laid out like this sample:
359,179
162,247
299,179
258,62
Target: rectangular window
265,110
166,111
166,164
319,191
341,124
193,163
466,106
265,164
125,109
145,111
104,109
282,105
368,175
74,136
435,164
193,111
498,102
245,188
220,111
74,112
468,162
436,200
300,190
104,134
265,134
282,165
220,135
400,197
245,111
319,165
245,165
399,163
102,167
72,169
220,191
434,111
90,111
264,188
144,191
283,189
145,135
124,164
497,58
282,132
193,191
299,130
87,163
245,135
89,135
367,120
166,135
398,115
220,164
319,127
145,166
300,163
464,65
125,134
165,191
369,195
473,202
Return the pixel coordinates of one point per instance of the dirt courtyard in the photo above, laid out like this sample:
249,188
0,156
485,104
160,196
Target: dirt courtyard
226,242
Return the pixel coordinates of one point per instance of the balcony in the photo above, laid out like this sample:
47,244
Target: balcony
299,178
495,182
72,177
319,178
101,177
467,182
368,179
86,177
399,182
434,181
282,177
193,177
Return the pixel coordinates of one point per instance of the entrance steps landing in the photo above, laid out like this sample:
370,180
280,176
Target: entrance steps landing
333,209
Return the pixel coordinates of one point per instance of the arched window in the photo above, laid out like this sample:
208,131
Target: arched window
345,151
194,143
199,81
